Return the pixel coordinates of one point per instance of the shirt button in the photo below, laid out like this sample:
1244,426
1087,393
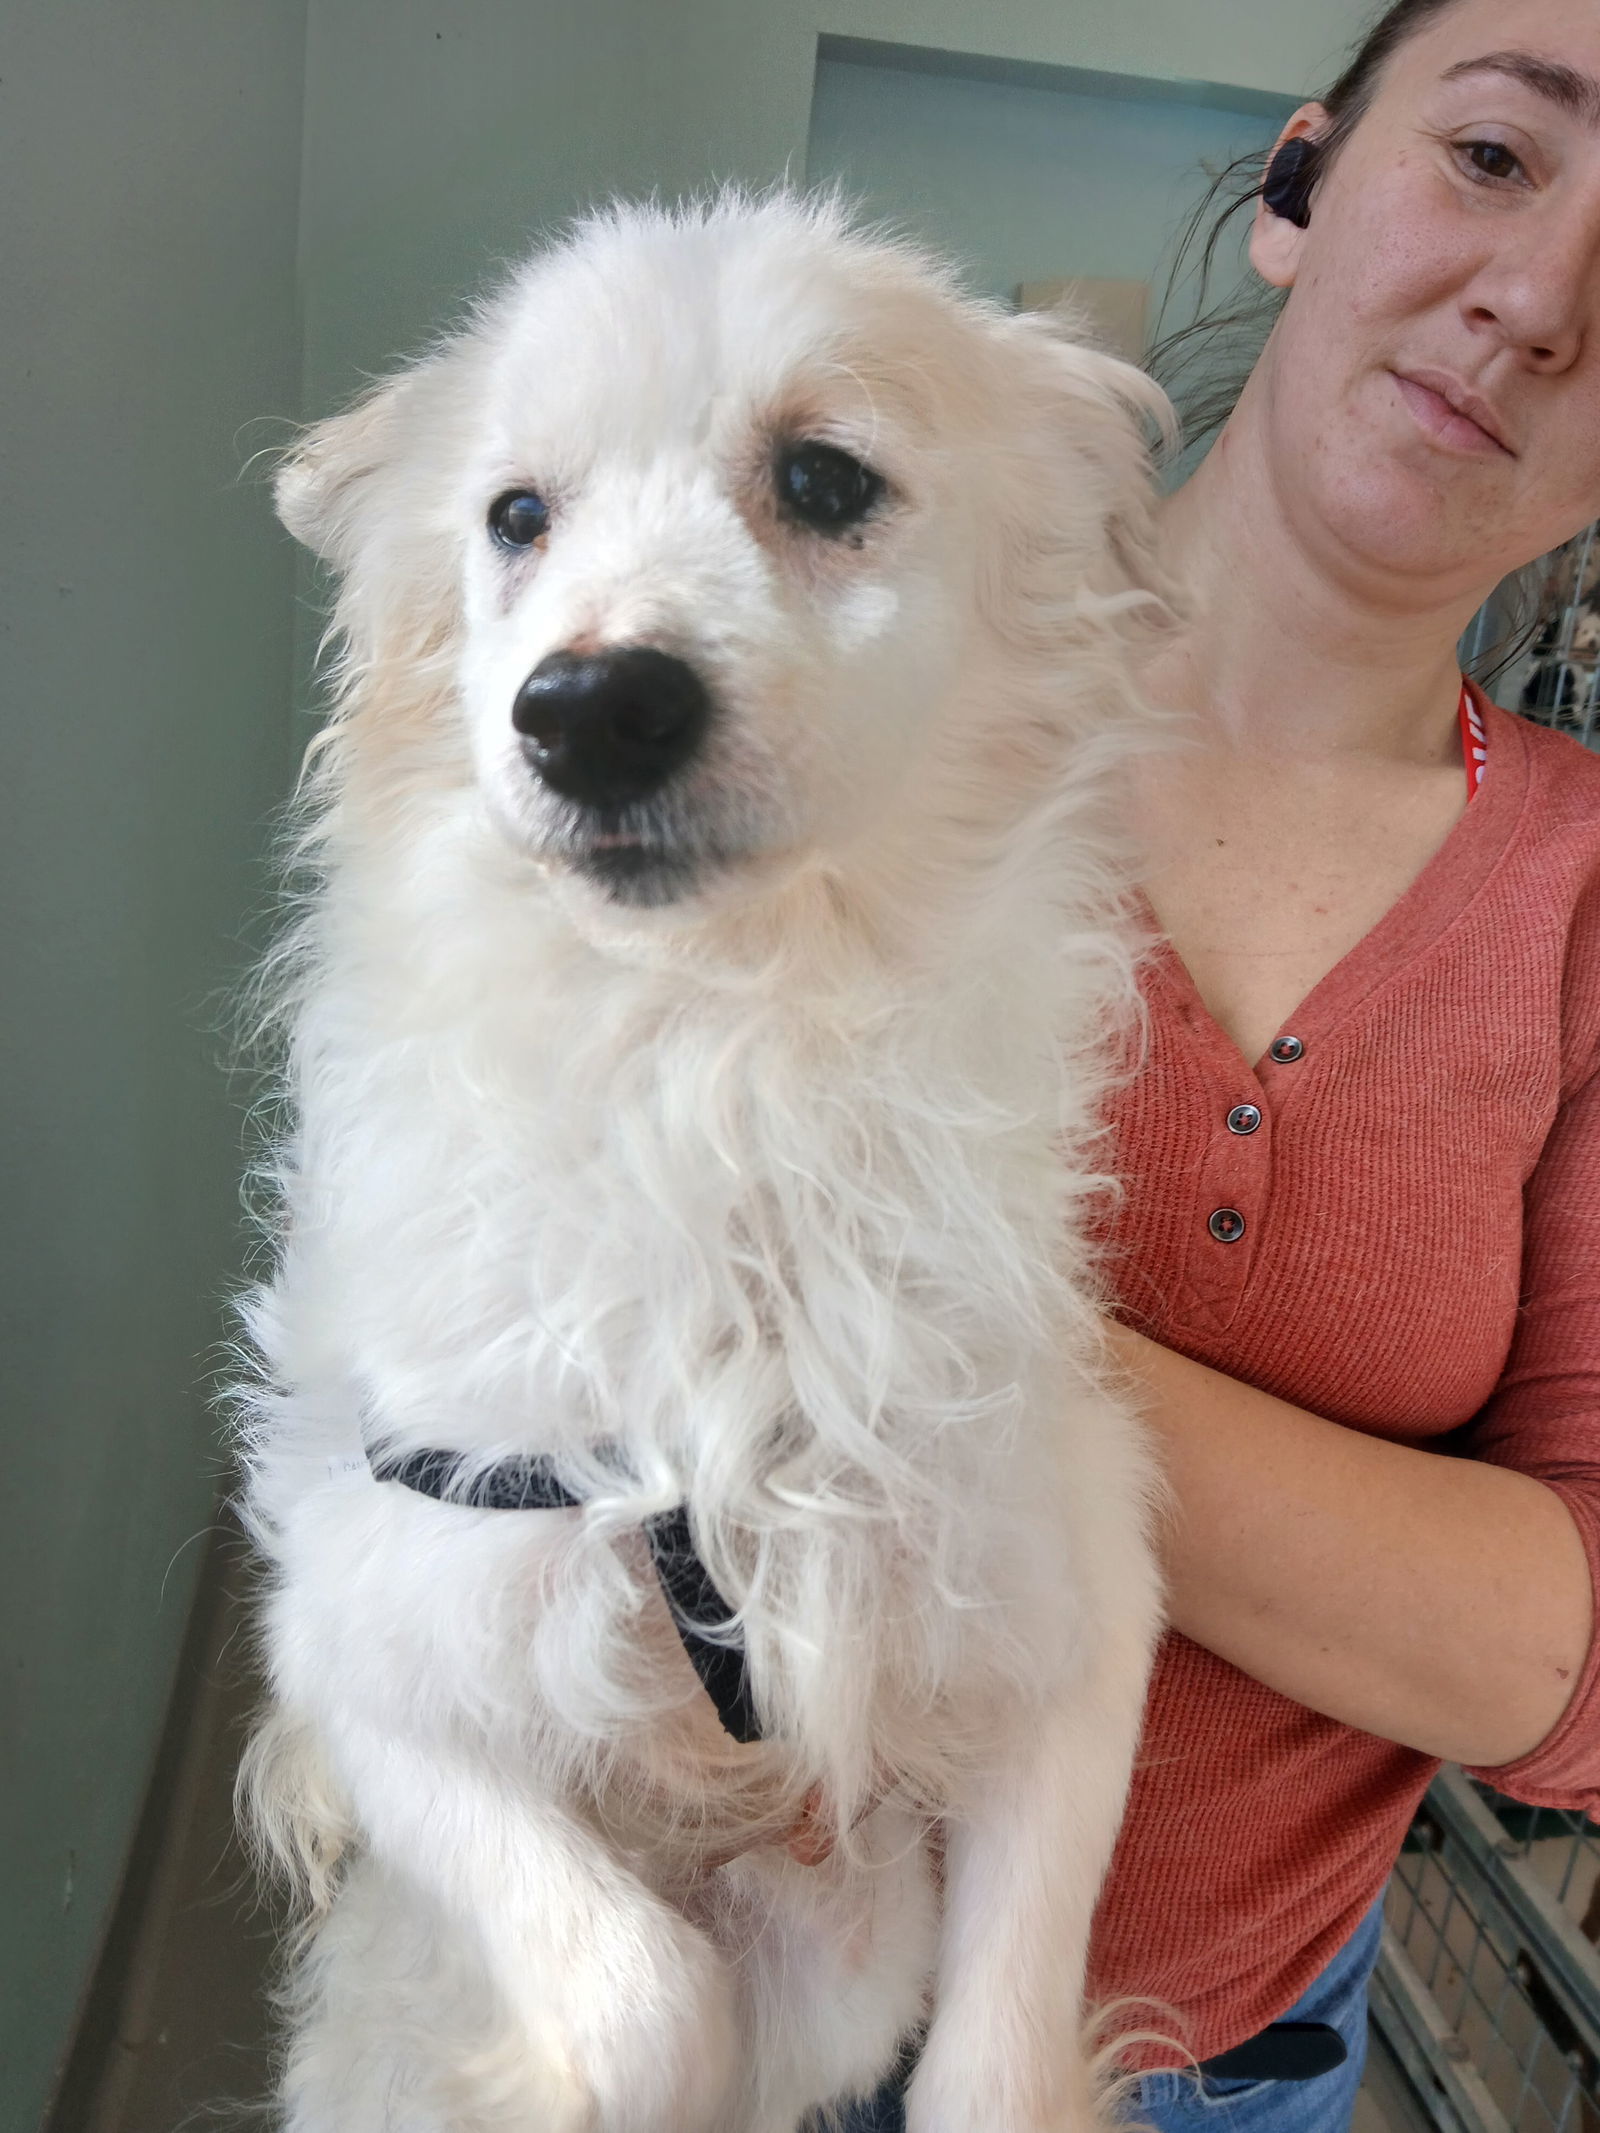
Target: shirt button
1243,1118
1286,1050
1226,1225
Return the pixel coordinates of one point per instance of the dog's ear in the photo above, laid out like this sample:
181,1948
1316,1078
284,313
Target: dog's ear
326,481
373,492
1115,422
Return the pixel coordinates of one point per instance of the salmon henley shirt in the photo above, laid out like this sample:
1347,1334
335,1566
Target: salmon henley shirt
1408,1242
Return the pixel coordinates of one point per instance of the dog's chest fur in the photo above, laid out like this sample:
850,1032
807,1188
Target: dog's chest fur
785,1249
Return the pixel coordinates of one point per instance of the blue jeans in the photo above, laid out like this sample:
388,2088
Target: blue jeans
1178,2103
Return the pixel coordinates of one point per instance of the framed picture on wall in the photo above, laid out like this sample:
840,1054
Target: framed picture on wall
1117,311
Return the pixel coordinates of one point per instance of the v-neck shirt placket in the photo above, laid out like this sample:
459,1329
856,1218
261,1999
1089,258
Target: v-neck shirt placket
1230,1186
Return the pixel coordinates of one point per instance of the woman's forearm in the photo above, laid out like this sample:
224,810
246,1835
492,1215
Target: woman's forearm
1434,1601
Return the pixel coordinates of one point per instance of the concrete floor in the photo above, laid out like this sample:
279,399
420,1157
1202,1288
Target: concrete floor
185,2044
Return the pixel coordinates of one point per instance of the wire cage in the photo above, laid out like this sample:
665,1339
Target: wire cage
1488,1985
1554,677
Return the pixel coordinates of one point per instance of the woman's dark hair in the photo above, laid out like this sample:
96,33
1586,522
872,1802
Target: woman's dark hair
1204,364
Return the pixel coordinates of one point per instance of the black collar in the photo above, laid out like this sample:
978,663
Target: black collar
696,1606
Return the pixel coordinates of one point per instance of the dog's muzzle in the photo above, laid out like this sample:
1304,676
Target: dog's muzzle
609,729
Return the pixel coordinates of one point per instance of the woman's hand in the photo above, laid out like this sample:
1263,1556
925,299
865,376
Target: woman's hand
815,1834
1436,1601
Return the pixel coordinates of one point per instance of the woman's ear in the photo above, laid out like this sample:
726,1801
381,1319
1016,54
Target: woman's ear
1276,239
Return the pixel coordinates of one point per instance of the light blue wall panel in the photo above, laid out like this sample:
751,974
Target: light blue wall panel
1023,179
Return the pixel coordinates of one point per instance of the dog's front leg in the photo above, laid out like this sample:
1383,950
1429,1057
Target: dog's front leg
1024,1865
623,2011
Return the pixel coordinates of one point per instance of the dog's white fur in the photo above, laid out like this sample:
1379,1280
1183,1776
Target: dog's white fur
777,1188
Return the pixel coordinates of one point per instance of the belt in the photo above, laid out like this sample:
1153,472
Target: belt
1286,2051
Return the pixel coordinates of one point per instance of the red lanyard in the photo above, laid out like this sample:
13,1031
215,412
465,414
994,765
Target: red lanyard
1474,743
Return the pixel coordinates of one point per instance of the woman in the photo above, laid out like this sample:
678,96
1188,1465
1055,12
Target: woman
1318,1262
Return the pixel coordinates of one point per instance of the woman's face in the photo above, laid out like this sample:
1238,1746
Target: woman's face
1431,394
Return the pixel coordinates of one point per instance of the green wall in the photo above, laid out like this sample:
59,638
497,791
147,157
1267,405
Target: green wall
440,138
149,159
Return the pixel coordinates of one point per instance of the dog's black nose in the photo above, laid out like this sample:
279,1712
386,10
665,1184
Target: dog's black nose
605,728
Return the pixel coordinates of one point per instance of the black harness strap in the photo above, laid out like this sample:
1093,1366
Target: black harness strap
696,1606
513,1485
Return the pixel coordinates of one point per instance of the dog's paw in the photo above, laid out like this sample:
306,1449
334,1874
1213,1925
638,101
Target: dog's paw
642,2035
957,2091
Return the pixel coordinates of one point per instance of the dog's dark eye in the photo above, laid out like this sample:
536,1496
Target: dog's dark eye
519,518
825,488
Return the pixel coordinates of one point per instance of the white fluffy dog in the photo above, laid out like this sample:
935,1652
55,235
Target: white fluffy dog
697,1030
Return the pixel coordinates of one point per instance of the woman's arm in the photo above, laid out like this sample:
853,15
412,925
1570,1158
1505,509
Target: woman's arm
1435,1601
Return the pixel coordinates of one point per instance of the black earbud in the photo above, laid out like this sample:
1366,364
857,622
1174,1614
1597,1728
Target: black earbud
1290,176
